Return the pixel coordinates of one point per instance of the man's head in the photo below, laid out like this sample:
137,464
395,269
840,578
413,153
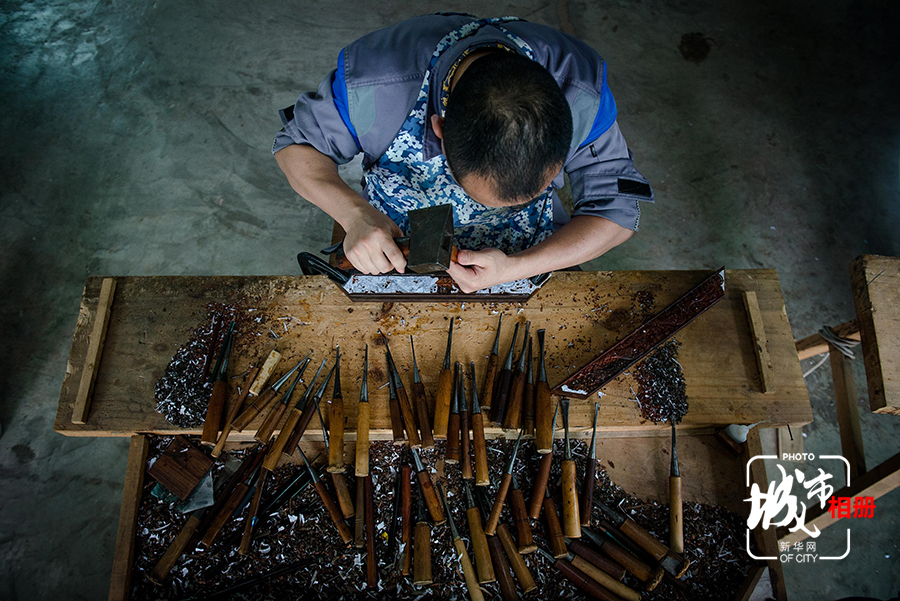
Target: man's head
507,129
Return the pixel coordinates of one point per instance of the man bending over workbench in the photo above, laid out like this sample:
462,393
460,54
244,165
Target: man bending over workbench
481,114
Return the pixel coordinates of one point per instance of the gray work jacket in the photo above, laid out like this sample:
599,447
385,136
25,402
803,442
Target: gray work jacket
361,106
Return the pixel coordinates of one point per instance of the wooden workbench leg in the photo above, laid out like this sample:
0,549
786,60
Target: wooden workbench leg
120,583
847,413
766,540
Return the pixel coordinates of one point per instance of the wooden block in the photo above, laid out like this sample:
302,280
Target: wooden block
787,445
875,483
181,467
95,348
120,583
760,342
265,372
766,540
876,294
816,345
845,402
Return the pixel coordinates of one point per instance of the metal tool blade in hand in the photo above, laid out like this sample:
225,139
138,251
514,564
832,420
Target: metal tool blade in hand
431,237
649,335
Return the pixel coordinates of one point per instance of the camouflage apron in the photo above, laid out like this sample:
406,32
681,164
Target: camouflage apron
402,180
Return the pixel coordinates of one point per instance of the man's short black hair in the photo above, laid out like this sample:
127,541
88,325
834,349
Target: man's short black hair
507,120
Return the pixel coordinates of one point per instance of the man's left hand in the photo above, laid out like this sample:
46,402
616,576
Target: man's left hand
479,269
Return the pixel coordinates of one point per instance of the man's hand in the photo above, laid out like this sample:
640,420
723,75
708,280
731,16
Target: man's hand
370,234
582,239
478,269
369,243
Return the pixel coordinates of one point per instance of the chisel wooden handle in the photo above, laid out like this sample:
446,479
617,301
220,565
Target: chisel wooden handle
584,582
224,514
214,413
526,580
336,435
271,422
342,262
465,456
359,536
676,519
406,526
424,422
605,580
371,559
249,414
513,415
345,501
229,423
468,571
523,525
528,409
297,432
362,441
480,547
571,519
479,448
540,485
587,491
175,550
409,421
426,489
543,418
336,516
487,387
644,539
501,394
554,529
452,452
442,403
491,527
604,563
422,561
279,446
651,577
501,569
247,537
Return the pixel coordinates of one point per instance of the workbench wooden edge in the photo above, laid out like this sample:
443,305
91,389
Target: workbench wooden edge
123,562
872,340
204,289
75,364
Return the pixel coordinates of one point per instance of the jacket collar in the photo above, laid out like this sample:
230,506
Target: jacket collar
487,35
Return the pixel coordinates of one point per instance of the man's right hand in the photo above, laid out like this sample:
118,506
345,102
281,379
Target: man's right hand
369,243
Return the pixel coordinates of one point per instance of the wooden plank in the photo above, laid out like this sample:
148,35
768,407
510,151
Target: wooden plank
750,582
845,401
816,345
120,583
876,293
583,313
766,540
875,483
788,446
760,342
95,347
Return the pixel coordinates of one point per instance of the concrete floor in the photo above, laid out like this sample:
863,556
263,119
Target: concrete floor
135,141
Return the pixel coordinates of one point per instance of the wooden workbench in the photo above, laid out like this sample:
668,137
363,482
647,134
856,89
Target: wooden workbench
583,314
